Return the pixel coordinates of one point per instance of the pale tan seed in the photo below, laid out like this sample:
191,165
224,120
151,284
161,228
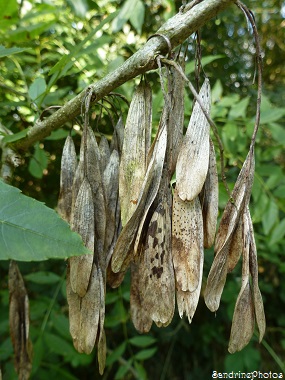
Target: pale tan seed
243,318
193,159
67,173
90,314
187,302
137,137
253,266
82,222
187,242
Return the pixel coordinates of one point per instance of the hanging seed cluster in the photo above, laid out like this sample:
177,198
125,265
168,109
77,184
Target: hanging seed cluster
119,198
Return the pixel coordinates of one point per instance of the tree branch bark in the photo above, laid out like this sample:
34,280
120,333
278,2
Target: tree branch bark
177,29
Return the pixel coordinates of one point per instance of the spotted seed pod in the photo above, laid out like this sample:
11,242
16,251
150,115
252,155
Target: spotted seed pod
19,322
67,172
209,198
137,138
82,221
193,159
153,281
187,242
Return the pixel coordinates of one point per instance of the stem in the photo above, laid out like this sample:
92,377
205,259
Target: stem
250,17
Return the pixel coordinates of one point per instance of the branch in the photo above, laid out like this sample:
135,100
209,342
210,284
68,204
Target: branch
177,29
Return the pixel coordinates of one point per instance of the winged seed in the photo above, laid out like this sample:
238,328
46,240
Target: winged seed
193,159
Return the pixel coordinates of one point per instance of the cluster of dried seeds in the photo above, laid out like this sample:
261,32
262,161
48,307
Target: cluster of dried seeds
157,231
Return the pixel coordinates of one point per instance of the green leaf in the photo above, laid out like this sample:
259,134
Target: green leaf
116,354
278,232
59,345
142,341
270,216
30,231
37,88
278,133
124,15
123,370
80,7
137,16
239,109
190,66
8,12
15,136
4,52
146,354
38,162
43,278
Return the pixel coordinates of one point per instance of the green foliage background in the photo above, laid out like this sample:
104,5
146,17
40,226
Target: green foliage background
50,52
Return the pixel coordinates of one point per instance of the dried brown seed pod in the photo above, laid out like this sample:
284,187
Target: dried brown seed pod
253,267
235,206
82,221
175,123
187,242
111,190
19,322
193,159
137,137
153,298
123,251
67,172
228,226
187,301
74,305
236,246
243,318
118,137
90,314
105,153
102,351
209,198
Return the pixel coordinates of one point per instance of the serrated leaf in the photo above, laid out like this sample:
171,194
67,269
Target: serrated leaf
142,341
146,354
278,232
30,231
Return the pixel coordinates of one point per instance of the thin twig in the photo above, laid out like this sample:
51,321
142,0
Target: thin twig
251,19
